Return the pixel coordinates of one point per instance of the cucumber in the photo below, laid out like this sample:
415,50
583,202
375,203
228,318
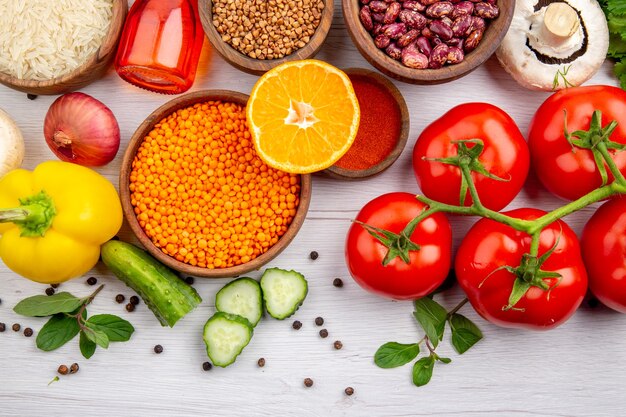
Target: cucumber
242,297
283,292
169,297
225,336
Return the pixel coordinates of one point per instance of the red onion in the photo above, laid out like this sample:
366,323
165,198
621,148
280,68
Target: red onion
80,129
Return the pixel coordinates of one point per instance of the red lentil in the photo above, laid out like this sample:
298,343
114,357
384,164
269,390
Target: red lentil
202,194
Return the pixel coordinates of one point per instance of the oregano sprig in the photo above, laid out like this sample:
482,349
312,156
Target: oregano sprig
433,318
69,318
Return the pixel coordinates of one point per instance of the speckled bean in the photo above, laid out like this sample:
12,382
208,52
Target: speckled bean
441,29
413,58
455,55
378,6
394,51
408,38
382,41
392,13
462,26
365,1
378,17
462,8
443,8
455,42
423,45
478,23
438,56
414,5
486,10
378,28
472,41
394,30
428,2
365,15
414,20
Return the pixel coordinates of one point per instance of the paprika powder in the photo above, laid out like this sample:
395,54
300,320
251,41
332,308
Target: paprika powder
380,126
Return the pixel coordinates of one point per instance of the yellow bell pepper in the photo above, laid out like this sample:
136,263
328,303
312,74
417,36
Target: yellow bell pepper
54,219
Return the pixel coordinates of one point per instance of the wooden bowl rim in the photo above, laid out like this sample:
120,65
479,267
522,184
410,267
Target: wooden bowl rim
365,44
260,66
405,125
133,145
108,46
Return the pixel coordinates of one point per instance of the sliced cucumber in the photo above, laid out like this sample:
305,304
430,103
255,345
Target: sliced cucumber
242,297
283,292
225,336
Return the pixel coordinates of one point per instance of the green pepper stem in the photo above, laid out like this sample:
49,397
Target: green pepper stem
34,215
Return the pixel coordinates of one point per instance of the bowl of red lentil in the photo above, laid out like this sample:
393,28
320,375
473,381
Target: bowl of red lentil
257,35
198,197
427,41
383,130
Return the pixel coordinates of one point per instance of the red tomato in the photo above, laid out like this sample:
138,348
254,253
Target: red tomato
428,266
489,245
505,155
565,173
604,251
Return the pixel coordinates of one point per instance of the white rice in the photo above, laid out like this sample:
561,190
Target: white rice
44,39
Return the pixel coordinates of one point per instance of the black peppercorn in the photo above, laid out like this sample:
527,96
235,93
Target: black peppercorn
92,281
337,282
338,345
28,332
63,370
3,327
314,255
349,391
158,349
74,368
593,302
296,325
55,286
130,307
0,301
16,327
134,300
323,333
207,366
189,280
31,96
261,362
120,298
308,382
49,291
319,321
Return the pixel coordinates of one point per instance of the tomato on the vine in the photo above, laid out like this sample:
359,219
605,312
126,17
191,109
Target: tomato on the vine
604,252
505,155
565,171
428,266
489,246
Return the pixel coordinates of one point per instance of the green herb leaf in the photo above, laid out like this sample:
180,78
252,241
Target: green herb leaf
465,333
87,347
97,336
443,360
116,328
394,354
57,331
432,317
423,370
44,305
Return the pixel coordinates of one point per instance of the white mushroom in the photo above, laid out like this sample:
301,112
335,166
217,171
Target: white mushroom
553,44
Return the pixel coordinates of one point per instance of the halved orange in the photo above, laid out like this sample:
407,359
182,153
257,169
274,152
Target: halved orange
303,116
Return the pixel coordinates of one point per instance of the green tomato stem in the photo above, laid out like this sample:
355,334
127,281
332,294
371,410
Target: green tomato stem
617,174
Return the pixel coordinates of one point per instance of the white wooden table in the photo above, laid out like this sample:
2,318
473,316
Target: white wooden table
577,369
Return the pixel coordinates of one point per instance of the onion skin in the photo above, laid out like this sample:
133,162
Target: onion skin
80,129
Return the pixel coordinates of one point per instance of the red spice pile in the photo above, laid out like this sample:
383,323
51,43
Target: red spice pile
379,128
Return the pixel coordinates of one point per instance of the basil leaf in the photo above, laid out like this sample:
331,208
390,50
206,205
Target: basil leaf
44,305
57,331
423,370
116,328
87,347
465,333
98,337
394,354
444,360
432,317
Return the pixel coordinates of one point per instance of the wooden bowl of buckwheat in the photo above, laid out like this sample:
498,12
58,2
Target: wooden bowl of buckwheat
257,35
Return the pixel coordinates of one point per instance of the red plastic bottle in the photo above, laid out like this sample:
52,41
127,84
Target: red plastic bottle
160,45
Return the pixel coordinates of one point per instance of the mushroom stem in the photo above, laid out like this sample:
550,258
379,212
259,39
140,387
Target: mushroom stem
560,22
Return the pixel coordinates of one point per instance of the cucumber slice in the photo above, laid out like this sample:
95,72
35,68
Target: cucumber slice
225,336
283,292
242,297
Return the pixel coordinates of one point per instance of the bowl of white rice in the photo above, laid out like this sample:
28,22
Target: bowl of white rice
56,46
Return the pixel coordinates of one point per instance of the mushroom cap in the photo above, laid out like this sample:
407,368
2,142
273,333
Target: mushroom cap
517,52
